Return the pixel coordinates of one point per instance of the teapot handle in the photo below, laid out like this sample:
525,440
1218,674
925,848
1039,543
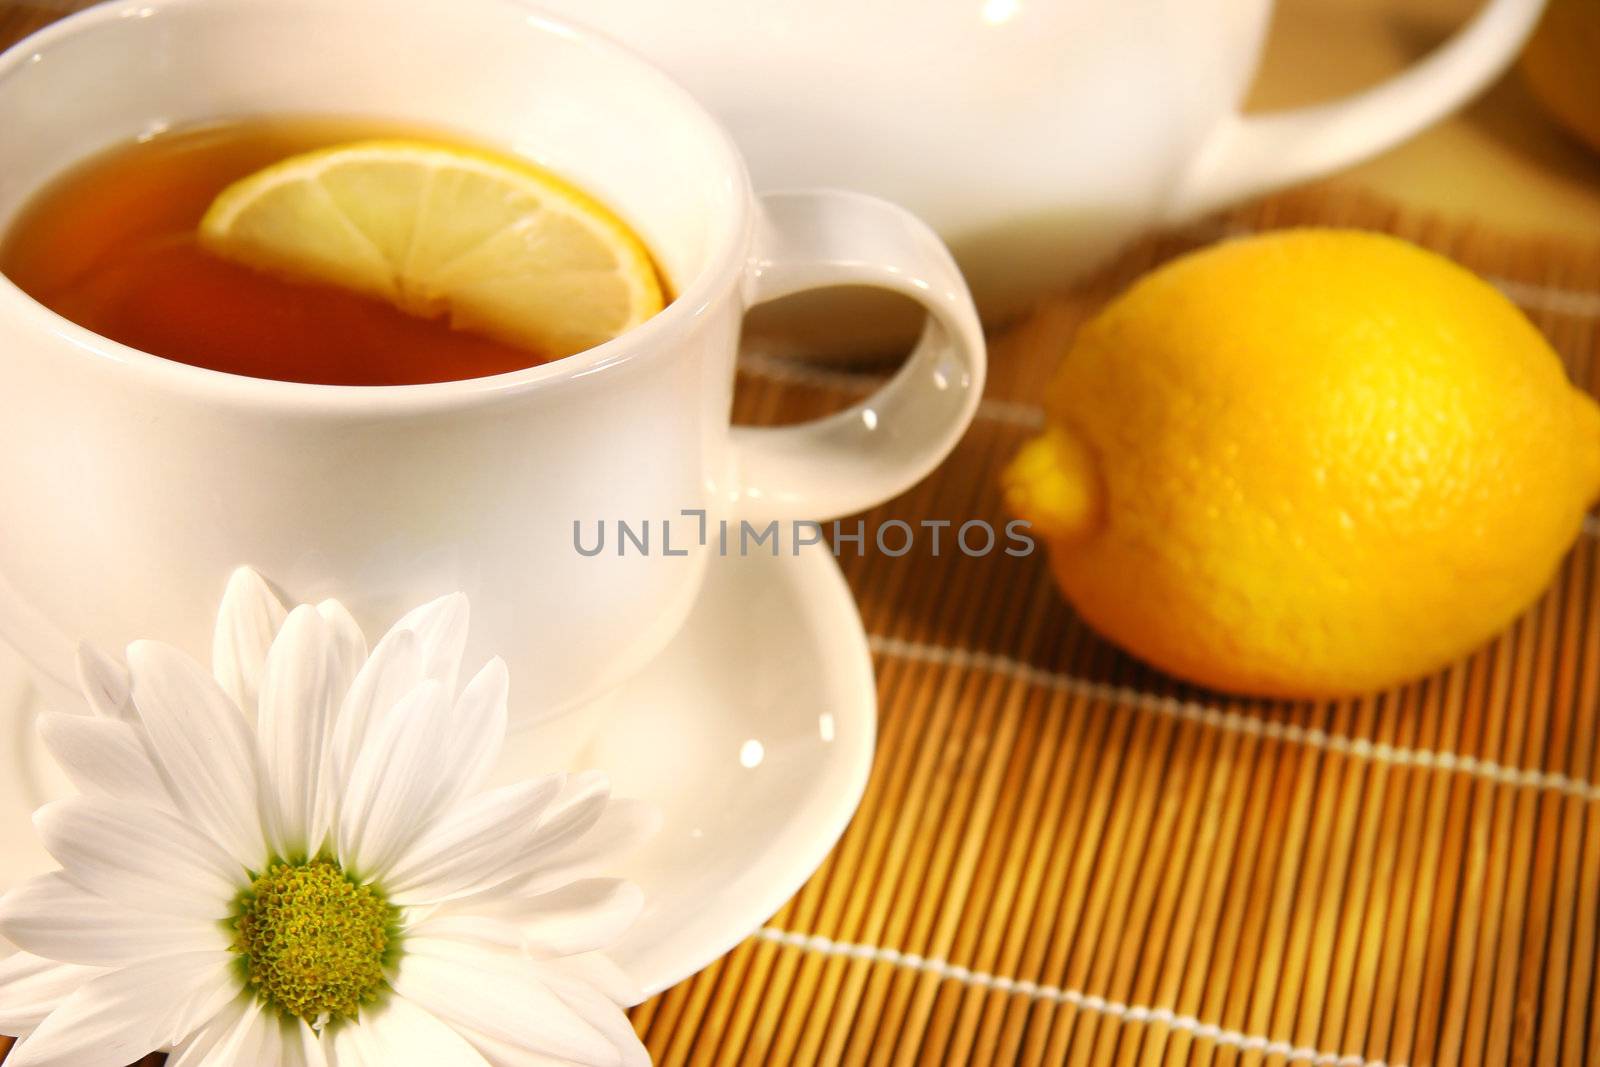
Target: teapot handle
1250,154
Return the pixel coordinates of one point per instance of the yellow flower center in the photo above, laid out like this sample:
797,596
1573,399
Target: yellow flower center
313,942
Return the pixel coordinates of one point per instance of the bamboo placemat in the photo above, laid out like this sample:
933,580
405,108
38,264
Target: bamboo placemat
1066,858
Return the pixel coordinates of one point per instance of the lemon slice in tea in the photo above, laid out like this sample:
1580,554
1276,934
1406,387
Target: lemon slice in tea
499,246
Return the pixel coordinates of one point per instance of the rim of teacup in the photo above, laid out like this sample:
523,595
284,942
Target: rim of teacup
725,263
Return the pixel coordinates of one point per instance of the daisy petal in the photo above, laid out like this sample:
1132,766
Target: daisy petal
504,1054
469,849
582,835
597,970
398,783
480,726
247,621
55,917
258,1038
104,757
205,746
299,1045
393,670
139,857
118,1017
598,1010
477,929
400,1032
574,813
245,1033
624,825
498,995
104,684
348,639
574,920
580,917
32,987
217,1042
301,687
424,645
441,629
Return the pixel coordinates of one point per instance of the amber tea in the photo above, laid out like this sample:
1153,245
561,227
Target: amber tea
113,245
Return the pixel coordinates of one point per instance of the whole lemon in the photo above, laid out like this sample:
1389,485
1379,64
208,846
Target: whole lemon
1308,464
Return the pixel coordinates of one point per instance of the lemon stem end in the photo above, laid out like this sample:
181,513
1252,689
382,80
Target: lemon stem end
1054,484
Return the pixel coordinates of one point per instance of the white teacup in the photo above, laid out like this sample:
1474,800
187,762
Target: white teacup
130,485
1036,135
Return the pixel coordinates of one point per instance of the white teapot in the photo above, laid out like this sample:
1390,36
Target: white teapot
1036,135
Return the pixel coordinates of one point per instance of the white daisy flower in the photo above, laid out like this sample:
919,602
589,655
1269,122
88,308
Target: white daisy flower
290,861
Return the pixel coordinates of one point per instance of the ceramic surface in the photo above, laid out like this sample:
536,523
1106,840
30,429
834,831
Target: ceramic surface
753,732
1036,135
132,486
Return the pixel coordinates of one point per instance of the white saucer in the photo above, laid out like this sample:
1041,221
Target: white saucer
753,733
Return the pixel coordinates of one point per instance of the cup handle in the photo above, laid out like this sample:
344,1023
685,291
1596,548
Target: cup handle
883,445
1247,155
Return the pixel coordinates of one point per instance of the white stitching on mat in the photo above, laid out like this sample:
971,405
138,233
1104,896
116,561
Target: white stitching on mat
1530,296
1129,1013
1235,722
